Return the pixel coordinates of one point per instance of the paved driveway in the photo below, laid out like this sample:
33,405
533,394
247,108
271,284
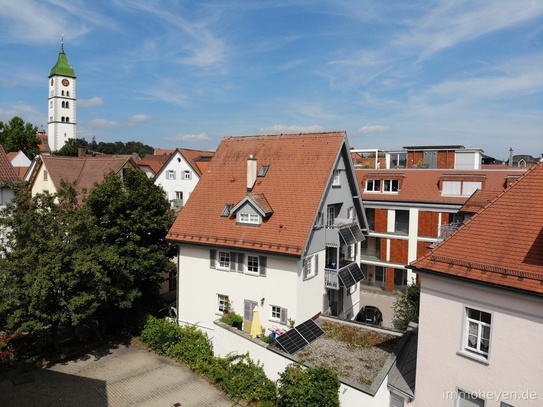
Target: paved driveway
384,301
112,376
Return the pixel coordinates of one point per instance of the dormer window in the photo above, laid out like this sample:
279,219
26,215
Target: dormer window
384,183
263,171
250,218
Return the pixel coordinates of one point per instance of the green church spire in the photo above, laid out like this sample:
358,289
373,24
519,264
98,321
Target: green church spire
62,67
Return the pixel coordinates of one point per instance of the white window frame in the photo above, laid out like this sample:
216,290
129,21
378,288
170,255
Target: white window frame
461,395
249,218
278,314
187,174
475,328
251,259
223,303
373,185
311,265
170,174
391,185
337,179
223,260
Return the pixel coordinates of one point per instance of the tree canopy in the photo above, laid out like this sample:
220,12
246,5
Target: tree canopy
64,262
71,148
406,307
18,135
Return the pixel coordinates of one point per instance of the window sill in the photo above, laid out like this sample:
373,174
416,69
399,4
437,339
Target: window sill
481,359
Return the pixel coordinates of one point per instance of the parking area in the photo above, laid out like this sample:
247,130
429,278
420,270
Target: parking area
382,300
111,376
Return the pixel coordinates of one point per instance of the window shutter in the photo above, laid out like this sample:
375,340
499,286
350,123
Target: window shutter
284,316
304,269
212,257
262,263
316,260
233,261
248,307
241,262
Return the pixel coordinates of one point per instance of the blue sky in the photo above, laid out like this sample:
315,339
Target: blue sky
187,73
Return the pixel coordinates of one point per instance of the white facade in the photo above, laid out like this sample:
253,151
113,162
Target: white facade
178,179
61,123
283,286
511,372
21,160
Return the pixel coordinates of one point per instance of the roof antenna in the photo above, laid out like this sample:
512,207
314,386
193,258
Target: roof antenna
62,44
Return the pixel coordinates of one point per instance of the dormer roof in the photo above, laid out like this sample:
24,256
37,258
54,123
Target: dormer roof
502,245
300,171
258,201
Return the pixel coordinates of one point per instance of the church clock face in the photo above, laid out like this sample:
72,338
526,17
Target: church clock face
65,82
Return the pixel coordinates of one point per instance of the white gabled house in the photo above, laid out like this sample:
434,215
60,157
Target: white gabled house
180,174
275,222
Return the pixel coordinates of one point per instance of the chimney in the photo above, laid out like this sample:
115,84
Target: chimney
251,172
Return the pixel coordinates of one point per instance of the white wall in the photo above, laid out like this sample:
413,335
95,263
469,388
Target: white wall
199,285
40,185
170,186
228,340
515,362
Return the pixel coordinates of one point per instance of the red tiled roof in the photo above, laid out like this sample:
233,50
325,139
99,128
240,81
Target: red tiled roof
86,171
422,185
7,172
194,158
300,167
502,244
479,200
156,162
161,151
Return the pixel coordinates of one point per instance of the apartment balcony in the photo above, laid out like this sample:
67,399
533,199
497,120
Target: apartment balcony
347,275
343,232
177,203
446,230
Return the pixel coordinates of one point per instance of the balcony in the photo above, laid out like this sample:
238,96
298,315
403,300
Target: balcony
343,231
347,275
177,203
367,254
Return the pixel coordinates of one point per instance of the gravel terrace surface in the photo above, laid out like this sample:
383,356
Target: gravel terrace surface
353,351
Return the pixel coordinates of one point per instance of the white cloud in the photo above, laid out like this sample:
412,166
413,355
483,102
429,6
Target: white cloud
139,118
92,102
189,137
374,128
281,128
102,123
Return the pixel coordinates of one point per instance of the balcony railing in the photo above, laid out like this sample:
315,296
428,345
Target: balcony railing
178,203
350,274
331,279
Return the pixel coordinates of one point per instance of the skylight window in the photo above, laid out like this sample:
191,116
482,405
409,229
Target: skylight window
263,171
226,211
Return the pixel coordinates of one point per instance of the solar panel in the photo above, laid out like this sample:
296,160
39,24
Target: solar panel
346,278
351,234
356,272
309,330
299,336
350,275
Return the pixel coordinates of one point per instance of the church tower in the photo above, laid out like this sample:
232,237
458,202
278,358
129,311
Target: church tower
61,121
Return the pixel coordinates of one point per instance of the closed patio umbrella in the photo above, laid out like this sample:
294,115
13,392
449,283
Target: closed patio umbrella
256,328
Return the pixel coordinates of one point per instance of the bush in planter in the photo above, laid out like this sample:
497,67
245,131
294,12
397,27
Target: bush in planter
232,319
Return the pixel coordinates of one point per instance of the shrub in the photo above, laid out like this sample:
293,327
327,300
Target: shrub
406,307
231,318
306,387
160,335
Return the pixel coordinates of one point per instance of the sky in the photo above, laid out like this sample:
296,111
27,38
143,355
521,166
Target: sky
187,73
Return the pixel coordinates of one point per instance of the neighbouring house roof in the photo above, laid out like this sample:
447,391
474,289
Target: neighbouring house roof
502,245
7,172
197,159
300,169
86,171
161,151
403,373
44,146
423,185
155,162
479,200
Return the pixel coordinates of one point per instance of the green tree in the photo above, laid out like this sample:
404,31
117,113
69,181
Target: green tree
406,307
71,147
130,218
18,135
307,387
44,279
